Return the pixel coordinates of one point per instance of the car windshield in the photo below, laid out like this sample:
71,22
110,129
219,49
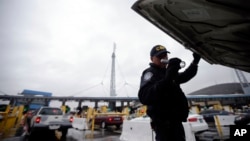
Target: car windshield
209,111
191,113
3,108
51,111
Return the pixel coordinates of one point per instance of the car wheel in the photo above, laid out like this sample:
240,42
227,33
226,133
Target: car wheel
118,126
19,131
64,134
32,135
103,125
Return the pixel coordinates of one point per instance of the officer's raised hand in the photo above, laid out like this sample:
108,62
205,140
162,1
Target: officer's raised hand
174,63
173,68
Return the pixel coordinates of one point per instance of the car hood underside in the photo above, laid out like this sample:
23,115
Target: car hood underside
218,30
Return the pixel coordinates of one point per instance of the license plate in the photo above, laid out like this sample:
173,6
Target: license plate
201,121
54,127
117,118
238,118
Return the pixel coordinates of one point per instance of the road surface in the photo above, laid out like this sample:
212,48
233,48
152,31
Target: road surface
97,135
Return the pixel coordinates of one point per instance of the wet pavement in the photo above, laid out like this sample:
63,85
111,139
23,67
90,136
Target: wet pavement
97,135
106,138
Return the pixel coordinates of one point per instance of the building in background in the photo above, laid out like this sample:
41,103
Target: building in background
34,104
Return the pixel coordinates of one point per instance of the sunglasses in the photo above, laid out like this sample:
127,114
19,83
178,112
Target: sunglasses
164,55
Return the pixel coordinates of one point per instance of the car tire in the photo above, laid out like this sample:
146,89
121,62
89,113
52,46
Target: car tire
64,134
32,135
19,131
118,126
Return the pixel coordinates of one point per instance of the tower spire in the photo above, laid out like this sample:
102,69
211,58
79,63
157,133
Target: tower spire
112,104
112,81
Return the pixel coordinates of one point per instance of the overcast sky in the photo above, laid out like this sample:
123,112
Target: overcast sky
65,47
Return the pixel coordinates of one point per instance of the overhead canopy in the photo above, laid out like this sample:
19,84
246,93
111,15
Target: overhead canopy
218,30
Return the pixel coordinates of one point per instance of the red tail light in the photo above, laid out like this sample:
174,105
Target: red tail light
109,119
38,119
192,119
71,119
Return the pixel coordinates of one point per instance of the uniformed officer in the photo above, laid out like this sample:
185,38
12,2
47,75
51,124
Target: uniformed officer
160,90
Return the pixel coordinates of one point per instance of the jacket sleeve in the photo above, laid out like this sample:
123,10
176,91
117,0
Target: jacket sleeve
188,74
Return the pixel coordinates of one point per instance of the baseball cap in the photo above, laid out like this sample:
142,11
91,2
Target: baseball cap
158,50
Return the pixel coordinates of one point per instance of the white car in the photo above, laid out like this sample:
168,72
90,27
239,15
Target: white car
197,122
49,119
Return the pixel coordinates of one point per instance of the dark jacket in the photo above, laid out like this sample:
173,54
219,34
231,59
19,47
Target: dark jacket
160,91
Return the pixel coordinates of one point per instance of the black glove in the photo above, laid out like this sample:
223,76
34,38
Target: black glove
174,62
172,69
197,58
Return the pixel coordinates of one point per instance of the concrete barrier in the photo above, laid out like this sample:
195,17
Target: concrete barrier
188,131
75,134
140,129
136,131
80,123
80,131
222,123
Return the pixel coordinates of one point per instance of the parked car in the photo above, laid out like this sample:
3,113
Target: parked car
243,118
105,120
3,107
197,122
210,113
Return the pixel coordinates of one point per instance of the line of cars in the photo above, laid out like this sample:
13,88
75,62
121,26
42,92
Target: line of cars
52,118
199,122
47,120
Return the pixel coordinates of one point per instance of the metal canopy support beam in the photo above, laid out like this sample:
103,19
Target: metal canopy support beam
243,81
96,104
27,99
80,103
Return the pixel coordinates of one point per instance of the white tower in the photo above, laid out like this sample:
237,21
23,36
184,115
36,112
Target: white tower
112,104
112,81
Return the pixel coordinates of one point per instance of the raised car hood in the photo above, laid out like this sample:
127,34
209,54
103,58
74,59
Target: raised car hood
218,30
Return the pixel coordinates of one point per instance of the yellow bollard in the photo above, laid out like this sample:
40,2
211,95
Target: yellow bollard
63,107
104,109
218,125
19,115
